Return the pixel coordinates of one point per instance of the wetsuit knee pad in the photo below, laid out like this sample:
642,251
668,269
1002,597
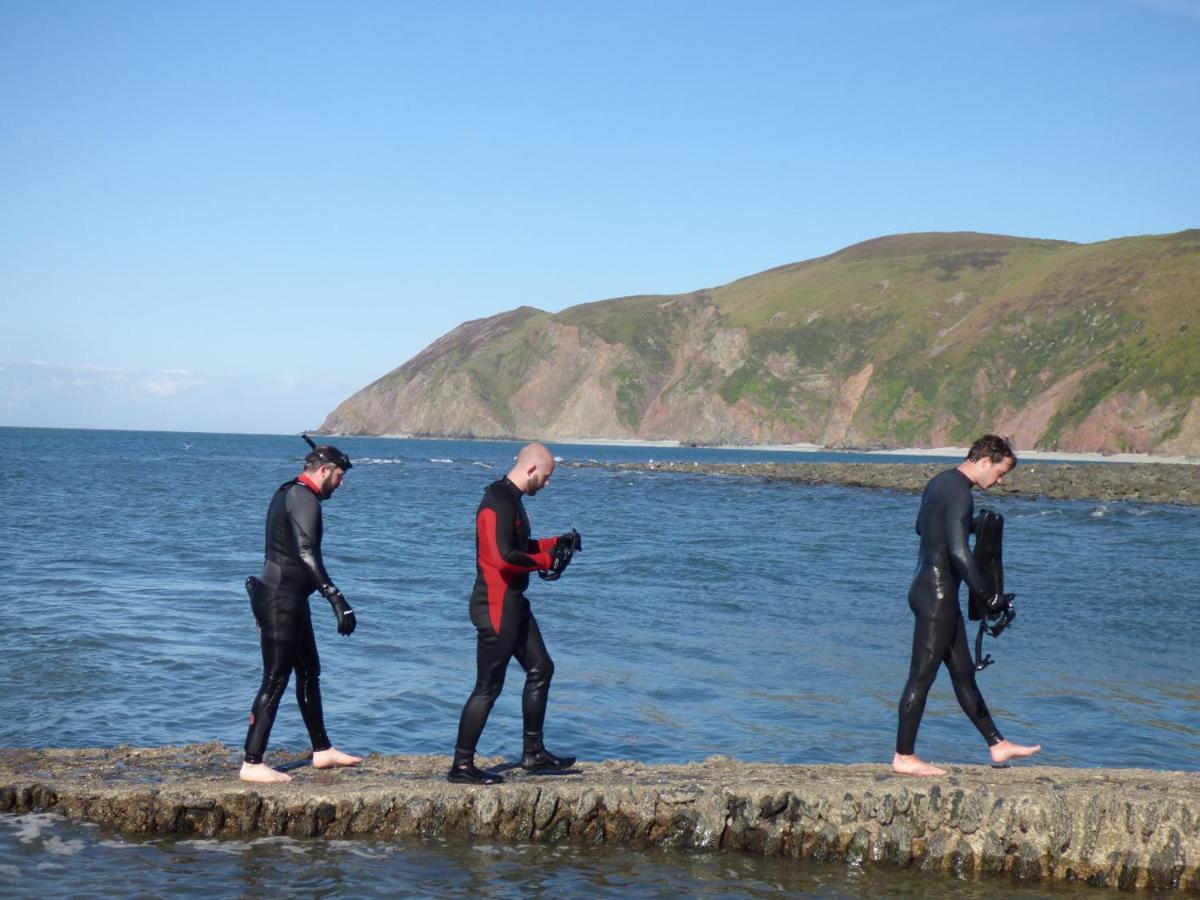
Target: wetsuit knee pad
308,686
308,666
541,673
271,691
914,697
487,692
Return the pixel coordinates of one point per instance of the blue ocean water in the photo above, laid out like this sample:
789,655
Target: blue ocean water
706,615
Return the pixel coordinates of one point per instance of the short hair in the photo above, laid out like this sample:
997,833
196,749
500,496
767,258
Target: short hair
993,447
325,455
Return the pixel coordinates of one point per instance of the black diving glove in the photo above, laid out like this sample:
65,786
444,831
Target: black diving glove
346,622
1000,613
998,603
560,557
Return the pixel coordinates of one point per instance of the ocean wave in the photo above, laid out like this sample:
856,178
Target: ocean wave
442,459
378,461
38,828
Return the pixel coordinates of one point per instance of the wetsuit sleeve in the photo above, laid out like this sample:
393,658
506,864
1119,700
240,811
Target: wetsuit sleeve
304,516
544,545
959,509
497,533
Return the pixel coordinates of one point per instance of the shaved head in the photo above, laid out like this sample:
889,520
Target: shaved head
534,454
533,468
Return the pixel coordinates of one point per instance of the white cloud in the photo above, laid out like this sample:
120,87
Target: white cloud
66,383
83,395
24,381
170,384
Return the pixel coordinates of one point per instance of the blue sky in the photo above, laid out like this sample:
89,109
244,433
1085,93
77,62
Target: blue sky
229,216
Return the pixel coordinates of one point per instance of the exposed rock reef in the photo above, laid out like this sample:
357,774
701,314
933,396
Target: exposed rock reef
1124,828
1105,482
918,340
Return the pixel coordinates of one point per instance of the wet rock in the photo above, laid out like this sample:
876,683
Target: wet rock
1129,828
1100,481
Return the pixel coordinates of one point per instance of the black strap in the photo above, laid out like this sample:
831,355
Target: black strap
981,664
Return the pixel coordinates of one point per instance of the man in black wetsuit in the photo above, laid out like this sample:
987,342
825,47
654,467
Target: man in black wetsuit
292,570
505,626
940,635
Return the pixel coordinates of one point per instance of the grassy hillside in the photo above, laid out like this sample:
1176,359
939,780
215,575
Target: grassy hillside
930,311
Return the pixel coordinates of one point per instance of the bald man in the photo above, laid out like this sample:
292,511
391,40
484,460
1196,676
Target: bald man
504,556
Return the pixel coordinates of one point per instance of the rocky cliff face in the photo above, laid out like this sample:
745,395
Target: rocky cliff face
914,340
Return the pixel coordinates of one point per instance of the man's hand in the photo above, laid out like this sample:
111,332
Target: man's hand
560,557
346,622
998,603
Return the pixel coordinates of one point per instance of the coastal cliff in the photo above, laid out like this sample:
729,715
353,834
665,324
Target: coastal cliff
1122,828
917,340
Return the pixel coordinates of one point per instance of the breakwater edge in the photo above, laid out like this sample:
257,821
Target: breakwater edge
1116,828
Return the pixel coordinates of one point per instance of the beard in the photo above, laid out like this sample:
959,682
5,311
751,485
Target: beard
533,484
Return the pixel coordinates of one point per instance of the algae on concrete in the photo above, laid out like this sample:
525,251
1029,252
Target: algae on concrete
1126,828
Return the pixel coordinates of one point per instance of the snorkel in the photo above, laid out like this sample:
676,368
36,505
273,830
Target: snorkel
326,454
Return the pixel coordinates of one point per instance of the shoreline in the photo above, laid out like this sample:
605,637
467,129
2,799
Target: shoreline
805,448
924,452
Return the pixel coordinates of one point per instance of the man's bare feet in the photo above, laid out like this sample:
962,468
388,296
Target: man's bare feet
911,765
333,758
261,773
1006,750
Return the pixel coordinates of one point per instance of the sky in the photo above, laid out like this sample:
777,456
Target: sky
230,217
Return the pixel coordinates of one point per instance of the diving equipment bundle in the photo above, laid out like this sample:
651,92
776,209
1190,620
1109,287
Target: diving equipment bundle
994,610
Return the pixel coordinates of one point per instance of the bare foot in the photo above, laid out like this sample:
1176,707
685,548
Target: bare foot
1006,750
911,765
333,758
262,774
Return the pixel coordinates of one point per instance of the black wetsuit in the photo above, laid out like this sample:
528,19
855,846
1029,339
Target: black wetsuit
504,557
292,570
940,635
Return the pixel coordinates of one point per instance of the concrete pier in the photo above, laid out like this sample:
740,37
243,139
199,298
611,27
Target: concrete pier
1121,828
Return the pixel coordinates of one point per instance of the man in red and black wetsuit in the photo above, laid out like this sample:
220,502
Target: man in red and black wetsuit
504,557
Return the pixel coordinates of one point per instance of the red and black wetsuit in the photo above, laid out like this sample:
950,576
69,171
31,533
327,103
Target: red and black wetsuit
293,569
504,557
939,635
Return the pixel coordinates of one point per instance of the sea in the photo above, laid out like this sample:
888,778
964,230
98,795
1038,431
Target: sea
705,615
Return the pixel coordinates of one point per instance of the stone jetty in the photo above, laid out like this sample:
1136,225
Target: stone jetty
1118,828
1177,483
